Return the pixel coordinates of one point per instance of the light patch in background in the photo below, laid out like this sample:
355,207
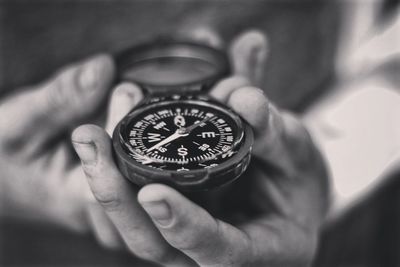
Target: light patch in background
357,125
358,130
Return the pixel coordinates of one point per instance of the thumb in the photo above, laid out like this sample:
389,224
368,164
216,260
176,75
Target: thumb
61,102
192,230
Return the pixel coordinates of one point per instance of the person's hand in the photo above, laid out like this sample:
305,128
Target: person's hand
268,217
40,175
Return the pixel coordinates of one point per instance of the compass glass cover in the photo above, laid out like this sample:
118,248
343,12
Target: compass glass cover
169,71
182,135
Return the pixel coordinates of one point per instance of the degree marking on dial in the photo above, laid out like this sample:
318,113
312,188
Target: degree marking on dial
208,134
227,143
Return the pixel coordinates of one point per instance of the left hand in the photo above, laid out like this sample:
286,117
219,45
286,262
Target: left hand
40,177
271,216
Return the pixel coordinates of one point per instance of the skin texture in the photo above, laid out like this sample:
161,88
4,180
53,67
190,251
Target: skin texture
283,196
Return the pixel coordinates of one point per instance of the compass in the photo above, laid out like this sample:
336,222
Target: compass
178,135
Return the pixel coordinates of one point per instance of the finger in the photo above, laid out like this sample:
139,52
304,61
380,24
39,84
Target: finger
279,137
118,197
223,89
104,230
203,35
285,150
252,104
248,54
277,241
124,98
70,96
192,230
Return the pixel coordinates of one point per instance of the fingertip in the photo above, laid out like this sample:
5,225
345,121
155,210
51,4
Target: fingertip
224,88
106,69
248,53
208,36
252,104
252,39
129,91
124,98
96,73
257,37
104,62
88,133
202,34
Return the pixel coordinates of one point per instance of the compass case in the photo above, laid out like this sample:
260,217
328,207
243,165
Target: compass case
175,68
194,180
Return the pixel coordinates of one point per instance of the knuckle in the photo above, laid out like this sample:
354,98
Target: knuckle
125,88
185,242
196,239
108,199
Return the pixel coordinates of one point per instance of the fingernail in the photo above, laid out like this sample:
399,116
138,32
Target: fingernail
91,74
159,211
86,152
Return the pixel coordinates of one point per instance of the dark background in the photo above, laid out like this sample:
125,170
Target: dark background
40,36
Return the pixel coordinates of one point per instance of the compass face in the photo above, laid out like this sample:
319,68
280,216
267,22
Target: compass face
182,135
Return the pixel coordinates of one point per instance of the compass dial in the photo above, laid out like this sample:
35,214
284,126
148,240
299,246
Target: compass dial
182,135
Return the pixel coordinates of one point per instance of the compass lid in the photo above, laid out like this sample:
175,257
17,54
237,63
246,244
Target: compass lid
167,67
